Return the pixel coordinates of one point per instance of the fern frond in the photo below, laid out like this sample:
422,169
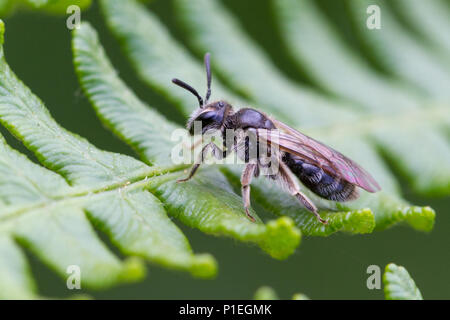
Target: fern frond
217,32
208,201
398,284
58,7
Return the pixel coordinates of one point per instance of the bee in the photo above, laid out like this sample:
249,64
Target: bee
321,169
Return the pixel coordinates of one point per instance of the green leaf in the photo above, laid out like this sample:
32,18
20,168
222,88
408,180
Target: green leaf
300,296
15,278
425,69
250,71
6,7
398,284
372,91
265,293
58,7
52,213
138,30
430,20
146,41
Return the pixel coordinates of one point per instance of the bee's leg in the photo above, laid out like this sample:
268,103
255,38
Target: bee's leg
294,189
309,205
216,152
246,179
191,173
196,144
197,164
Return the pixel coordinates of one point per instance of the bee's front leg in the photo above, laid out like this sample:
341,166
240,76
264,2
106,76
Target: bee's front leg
191,174
246,179
215,151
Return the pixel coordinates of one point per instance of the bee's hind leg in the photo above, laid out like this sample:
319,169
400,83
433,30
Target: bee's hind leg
246,179
309,205
294,189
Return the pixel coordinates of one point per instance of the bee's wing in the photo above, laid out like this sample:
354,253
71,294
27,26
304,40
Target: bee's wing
316,153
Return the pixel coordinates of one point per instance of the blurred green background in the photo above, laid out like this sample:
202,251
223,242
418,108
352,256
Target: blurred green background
38,50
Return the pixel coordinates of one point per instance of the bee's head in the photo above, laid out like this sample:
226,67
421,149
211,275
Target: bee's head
211,115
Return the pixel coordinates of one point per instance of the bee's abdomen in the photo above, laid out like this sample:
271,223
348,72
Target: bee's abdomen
320,182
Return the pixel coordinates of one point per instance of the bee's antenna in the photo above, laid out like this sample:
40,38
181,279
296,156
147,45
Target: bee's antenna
208,76
184,85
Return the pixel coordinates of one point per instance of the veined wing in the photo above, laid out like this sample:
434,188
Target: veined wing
317,153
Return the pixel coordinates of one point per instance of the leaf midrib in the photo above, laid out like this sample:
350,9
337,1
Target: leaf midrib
82,195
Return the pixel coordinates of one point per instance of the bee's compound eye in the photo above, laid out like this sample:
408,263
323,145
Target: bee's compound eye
221,104
207,115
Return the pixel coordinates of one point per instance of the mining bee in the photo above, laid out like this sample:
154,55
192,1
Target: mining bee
321,169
